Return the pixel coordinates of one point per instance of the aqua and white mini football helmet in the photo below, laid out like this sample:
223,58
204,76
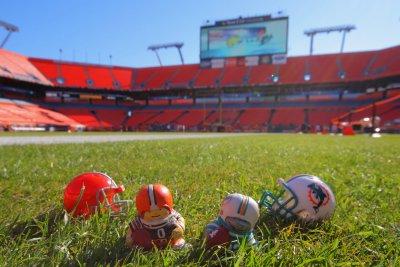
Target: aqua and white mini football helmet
239,213
304,197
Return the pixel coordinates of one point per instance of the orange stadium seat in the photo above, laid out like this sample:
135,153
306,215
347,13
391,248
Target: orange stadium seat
16,66
323,115
167,116
74,75
288,116
123,77
193,118
207,77
160,79
184,75
234,76
392,67
355,64
141,77
101,76
384,62
254,117
393,92
47,67
111,118
83,116
293,72
27,114
261,74
139,118
323,69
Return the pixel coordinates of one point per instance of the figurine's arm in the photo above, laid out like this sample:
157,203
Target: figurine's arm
138,237
129,240
177,233
216,234
250,240
210,227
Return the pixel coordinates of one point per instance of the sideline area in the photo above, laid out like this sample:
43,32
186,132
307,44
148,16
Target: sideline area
79,139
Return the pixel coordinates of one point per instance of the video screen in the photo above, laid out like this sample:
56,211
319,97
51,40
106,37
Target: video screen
248,39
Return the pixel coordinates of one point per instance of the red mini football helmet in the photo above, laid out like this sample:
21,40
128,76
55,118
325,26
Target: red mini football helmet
87,192
153,196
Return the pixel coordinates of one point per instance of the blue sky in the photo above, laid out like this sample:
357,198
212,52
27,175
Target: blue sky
90,31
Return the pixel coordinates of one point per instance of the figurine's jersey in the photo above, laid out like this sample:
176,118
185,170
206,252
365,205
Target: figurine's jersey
160,233
235,239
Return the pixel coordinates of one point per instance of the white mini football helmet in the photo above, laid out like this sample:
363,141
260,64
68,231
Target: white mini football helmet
239,213
304,197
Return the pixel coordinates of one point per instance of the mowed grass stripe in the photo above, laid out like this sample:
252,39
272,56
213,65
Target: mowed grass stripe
362,171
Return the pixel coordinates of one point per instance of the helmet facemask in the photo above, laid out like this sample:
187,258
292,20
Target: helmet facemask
108,198
240,225
283,204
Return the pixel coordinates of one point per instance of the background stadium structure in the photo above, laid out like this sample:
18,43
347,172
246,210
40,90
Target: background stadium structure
308,93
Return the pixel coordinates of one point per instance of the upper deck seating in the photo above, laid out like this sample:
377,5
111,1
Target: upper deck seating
208,78
142,76
354,65
183,77
122,77
261,74
74,75
234,76
160,80
18,67
101,77
292,72
316,69
385,62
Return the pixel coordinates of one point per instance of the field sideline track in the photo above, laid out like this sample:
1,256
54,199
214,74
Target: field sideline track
79,139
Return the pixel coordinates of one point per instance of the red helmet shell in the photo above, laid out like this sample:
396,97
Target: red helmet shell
91,189
153,195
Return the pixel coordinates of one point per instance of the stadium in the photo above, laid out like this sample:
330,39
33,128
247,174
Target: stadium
255,91
244,115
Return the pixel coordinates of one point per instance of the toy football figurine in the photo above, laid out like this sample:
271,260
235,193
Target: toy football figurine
305,198
235,223
157,224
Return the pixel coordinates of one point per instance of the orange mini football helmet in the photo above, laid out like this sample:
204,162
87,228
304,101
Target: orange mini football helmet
153,196
87,192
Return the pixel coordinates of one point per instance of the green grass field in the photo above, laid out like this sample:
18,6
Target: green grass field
363,172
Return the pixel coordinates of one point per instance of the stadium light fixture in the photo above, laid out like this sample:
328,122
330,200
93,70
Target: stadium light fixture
10,28
345,29
155,49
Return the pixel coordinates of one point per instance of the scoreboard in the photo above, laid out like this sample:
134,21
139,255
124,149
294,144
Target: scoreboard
248,41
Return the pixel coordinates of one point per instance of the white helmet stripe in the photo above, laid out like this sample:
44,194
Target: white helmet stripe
152,197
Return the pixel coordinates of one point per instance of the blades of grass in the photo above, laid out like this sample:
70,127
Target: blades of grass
79,199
